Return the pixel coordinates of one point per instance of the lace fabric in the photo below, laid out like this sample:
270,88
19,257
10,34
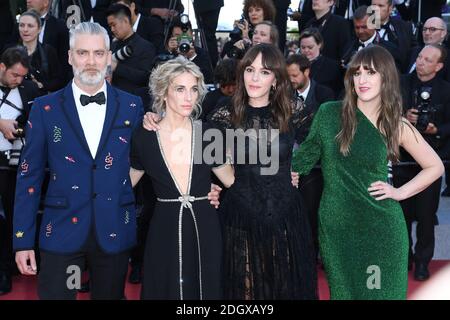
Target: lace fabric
267,239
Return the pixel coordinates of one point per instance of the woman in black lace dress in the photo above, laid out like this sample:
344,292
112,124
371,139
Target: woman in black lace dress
268,247
268,250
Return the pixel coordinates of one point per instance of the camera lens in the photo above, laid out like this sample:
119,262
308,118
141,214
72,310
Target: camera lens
184,46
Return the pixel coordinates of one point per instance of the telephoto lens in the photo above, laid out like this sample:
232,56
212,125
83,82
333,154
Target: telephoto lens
123,53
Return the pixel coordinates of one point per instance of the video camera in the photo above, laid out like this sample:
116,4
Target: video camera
425,110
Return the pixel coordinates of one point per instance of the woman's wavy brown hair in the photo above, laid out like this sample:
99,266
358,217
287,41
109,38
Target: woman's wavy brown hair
279,98
389,120
266,5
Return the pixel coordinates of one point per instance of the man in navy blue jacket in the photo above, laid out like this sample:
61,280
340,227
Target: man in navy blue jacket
83,132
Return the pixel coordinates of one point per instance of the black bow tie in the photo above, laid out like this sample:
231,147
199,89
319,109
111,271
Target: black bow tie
386,26
99,98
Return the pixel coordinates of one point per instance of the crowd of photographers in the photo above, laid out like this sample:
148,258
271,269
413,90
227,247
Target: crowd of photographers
145,33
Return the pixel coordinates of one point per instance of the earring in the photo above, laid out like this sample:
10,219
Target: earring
272,89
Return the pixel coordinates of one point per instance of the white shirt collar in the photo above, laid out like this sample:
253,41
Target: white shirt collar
305,92
367,42
77,92
136,23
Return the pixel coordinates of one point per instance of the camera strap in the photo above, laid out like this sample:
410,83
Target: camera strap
9,103
5,95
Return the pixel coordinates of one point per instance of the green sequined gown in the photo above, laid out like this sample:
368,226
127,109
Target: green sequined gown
363,242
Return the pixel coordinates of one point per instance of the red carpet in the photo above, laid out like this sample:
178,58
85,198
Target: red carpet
24,288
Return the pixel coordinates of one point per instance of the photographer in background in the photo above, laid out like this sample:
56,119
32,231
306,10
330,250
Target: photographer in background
132,55
149,28
426,99
16,96
254,12
181,42
264,32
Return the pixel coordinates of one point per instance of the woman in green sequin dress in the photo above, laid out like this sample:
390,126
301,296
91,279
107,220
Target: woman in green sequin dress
362,233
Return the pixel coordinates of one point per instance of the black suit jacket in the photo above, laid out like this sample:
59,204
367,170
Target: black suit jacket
152,30
207,5
133,72
354,45
147,5
28,91
56,35
430,8
342,5
202,61
6,23
98,13
307,14
317,95
46,68
336,36
440,100
405,41
327,72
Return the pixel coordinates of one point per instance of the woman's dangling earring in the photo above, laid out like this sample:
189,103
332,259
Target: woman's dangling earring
272,89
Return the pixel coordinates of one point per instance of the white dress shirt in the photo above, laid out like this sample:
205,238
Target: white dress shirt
92,117
8,112
136,23
305,92
367,42
41,33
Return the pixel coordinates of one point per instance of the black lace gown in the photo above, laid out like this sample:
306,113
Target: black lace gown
268,251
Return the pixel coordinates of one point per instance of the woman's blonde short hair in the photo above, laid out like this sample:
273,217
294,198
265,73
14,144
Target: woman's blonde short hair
163,76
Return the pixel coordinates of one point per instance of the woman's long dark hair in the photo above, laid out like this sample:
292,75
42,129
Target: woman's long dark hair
389,120
279,98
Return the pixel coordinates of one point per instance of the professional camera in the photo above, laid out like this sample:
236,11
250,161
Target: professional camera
184,41
123,53
18,143
238,53
425,111
236,33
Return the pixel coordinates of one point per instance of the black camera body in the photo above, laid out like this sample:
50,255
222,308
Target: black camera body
425,111
123,53
238,53
19,142
236,34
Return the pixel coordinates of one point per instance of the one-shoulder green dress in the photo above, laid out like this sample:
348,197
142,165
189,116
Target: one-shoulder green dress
363,242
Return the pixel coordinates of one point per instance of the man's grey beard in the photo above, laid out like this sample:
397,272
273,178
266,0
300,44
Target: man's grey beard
89,80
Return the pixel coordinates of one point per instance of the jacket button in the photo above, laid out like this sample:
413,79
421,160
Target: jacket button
94,195
94,167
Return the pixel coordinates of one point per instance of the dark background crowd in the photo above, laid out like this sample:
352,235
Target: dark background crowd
144,33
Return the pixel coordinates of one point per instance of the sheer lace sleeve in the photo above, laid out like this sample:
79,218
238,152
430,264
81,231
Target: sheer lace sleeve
310,151
301,120
220,118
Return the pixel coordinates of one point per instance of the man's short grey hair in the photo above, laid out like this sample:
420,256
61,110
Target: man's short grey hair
162,77
91,28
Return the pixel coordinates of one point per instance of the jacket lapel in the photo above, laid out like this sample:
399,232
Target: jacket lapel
70,111
112,107
311,94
